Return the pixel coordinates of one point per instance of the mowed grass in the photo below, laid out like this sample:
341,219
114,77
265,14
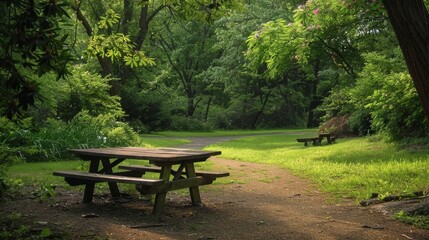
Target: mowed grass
352,168
222,133
40,173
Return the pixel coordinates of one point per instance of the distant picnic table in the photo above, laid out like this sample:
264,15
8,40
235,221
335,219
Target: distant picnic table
162,160
317,140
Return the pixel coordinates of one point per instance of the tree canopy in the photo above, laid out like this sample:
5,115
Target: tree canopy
218,64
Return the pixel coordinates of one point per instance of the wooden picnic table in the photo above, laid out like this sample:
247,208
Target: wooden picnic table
162,160
317,140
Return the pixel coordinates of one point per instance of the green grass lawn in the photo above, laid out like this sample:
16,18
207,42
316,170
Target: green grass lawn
352,168
159,141
220,133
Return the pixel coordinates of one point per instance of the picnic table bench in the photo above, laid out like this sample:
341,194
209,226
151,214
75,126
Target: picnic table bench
317,140
185,176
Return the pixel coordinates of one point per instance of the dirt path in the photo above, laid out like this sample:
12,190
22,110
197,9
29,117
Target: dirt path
261,202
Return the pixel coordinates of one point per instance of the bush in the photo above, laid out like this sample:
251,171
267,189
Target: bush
360,122
179,123
86,91
384,94
396,109
52,140
147,110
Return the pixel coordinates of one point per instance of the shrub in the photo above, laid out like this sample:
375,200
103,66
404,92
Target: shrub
360,122
52,140
396,109
86,91
385,95
179,123
148,110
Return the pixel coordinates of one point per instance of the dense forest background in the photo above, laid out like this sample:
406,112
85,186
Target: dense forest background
98,73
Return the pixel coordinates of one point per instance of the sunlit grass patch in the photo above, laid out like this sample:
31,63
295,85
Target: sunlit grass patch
41,172
153,142
349,168
219,133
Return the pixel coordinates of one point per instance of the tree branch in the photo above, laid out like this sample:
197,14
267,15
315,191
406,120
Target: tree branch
144,21
84,21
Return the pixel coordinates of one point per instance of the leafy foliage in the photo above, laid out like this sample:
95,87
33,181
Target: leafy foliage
207,10
395,108
386,91
31,43
278,46
147,110
52,140
116,46
86,91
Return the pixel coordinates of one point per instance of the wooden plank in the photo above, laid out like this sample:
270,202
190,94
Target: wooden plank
154,154
175,185
141,168
315,140
113,186
307,139
96,177
158,207
76,182
193,190
89,187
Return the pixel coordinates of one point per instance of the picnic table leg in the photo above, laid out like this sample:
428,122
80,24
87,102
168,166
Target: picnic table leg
158,207
194,191
114,190
89,187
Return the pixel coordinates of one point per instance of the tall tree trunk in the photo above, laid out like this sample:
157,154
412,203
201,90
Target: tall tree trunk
410,21
314,98
143,26
191,108
261,110
127,17
206,115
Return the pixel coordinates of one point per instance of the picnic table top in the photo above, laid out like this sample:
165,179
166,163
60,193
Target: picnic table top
151,154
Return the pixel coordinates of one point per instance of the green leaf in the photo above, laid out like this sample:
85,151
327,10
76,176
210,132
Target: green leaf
46,232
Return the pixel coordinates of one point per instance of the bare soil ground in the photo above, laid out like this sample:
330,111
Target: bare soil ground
263,202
